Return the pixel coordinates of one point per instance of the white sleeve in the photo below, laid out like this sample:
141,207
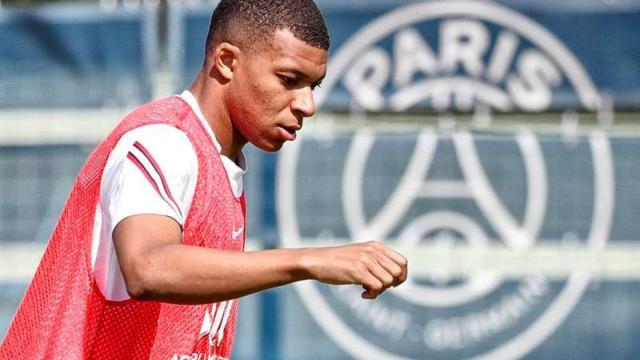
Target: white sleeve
152,170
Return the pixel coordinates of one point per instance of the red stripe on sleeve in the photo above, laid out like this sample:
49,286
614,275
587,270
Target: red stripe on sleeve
155,165
146,174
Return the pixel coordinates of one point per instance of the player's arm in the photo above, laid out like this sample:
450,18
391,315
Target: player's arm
156,266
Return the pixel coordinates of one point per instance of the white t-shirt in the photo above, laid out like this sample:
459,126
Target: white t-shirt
152,170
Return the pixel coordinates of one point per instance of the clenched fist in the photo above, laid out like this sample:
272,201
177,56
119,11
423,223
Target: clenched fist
371,264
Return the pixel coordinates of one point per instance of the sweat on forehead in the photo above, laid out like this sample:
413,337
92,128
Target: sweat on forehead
250,23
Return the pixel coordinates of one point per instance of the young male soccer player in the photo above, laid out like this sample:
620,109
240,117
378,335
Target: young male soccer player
146,261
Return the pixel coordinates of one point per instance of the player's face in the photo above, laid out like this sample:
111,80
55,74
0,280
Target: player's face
273,90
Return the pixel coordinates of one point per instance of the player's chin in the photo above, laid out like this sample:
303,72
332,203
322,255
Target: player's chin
270,145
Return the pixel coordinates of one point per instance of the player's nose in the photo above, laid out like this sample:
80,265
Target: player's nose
303,103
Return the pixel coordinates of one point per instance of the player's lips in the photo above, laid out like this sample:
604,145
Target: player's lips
288,132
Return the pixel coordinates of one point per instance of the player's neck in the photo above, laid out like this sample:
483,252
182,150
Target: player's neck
216,115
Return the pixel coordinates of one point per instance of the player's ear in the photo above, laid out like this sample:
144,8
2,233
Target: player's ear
225,59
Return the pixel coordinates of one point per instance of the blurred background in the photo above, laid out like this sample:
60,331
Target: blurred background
495,143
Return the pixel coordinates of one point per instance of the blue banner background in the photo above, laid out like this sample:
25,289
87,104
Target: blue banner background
602,38
73,55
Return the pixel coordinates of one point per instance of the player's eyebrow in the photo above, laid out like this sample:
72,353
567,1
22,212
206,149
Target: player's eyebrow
300,75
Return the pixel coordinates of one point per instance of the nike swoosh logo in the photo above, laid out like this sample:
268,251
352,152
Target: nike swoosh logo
237,233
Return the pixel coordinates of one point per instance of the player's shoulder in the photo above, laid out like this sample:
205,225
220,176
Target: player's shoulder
157,133
164,144
162,138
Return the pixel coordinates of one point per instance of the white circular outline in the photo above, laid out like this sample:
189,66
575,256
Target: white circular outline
520,345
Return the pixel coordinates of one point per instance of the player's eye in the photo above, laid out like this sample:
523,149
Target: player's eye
288,81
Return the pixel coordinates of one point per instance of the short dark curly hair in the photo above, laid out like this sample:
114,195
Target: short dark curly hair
251,23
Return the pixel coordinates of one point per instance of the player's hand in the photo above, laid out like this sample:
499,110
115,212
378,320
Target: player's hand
371,264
